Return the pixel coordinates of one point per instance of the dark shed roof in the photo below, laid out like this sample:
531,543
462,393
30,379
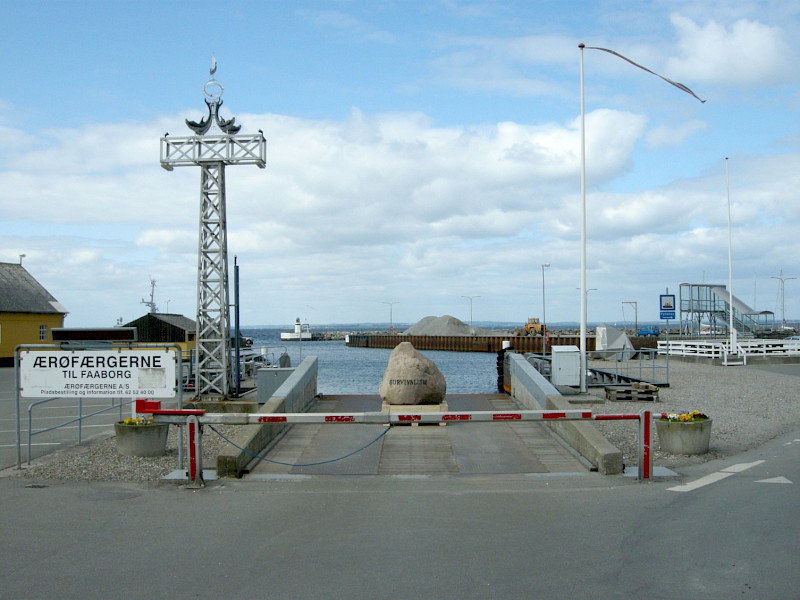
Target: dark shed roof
162,327
21,293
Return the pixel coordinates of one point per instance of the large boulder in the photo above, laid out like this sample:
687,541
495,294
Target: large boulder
411,378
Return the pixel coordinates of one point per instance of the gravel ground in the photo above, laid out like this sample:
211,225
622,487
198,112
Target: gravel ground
749,406
98,460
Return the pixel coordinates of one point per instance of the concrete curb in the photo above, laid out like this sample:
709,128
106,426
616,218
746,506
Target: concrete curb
294,395
584,437
533,391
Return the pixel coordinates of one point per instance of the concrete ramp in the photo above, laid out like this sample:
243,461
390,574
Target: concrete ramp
457,448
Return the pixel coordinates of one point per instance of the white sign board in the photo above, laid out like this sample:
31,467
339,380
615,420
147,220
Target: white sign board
667,302
99,373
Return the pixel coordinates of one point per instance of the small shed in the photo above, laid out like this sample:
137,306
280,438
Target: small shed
165,328
28,312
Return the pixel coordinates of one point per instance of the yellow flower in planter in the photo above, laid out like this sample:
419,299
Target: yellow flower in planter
138,421
689,417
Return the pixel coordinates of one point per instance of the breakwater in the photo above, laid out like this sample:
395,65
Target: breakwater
465,343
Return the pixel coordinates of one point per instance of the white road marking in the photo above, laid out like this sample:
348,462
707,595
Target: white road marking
714,477
774,480
693,485
741,467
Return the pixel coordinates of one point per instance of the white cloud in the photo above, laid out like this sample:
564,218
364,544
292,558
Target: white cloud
672,136
384,207
748,54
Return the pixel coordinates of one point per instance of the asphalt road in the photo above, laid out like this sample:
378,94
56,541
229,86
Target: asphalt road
722,529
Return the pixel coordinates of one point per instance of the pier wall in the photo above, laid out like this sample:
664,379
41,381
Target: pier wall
294,395
528,387
534,392
465,343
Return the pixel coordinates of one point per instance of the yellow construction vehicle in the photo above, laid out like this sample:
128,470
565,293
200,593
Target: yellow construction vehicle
533,327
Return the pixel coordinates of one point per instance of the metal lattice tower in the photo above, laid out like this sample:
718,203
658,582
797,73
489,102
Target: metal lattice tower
211,153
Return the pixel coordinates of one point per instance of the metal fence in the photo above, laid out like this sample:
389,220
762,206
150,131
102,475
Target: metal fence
78,419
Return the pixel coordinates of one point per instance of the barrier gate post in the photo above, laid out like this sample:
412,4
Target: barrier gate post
195,452
645,446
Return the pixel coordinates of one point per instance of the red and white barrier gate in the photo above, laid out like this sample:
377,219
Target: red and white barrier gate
194,418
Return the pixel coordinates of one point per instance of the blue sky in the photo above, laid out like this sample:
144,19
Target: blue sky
418,152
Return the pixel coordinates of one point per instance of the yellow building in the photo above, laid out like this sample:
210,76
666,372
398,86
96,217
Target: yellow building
28,312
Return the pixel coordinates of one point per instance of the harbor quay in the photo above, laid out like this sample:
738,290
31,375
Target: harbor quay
438,535
749,405
466,343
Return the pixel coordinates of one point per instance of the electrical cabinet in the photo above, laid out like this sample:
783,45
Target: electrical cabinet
566,366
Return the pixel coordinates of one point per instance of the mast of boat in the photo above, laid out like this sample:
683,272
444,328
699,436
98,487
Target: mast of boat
151,304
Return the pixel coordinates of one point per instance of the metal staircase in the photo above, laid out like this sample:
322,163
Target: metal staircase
711,306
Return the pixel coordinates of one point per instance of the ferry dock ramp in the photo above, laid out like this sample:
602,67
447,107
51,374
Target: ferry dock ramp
276,449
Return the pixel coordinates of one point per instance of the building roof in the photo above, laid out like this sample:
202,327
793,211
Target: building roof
173,319
176,320
21,293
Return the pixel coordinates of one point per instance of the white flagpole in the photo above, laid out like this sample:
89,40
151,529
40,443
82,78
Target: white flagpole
583,196
583,233
731,330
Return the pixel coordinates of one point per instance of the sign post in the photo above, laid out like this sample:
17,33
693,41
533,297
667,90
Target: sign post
667,306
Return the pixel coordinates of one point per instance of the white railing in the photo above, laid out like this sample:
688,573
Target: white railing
722,349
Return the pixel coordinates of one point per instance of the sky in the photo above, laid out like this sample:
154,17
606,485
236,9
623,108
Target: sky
423,157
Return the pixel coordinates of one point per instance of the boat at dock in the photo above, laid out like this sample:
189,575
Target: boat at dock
301,333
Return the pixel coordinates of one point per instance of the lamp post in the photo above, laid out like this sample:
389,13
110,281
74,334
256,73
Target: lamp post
472,329
544,313
782,280
391,323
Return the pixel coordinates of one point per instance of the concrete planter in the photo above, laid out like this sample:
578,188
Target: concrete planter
141,440
684,438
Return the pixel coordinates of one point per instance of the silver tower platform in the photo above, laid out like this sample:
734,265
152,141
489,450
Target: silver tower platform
225,146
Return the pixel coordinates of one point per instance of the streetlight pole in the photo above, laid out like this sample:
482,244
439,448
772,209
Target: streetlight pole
472,329
782,280
391,323
544,313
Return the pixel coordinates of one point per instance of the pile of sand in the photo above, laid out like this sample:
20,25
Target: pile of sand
445,325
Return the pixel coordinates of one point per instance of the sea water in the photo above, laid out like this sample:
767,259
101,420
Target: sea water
343,370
